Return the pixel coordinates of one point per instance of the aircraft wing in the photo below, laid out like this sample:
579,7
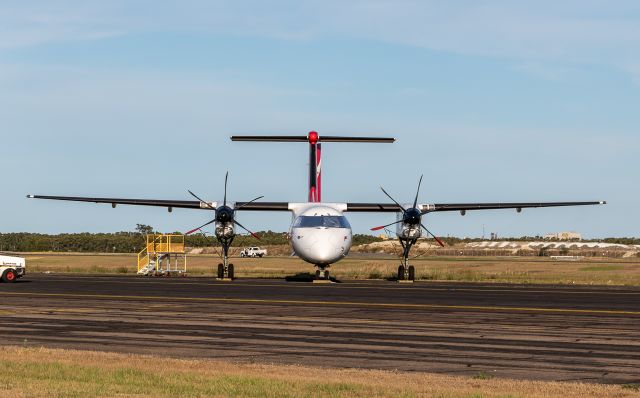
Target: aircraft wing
170,204
262,206
184,204
462,207
284,206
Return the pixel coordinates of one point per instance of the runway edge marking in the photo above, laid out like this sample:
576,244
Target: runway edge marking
332,303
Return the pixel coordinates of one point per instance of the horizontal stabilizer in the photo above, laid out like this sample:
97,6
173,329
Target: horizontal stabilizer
302,138
270,138
382,140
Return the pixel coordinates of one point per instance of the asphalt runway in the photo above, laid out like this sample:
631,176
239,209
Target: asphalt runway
523,331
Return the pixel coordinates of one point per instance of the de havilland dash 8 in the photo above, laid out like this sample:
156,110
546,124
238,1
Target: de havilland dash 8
320,234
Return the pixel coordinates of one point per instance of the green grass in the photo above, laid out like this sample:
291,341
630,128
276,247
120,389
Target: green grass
44,373
483,376
69,380
633,387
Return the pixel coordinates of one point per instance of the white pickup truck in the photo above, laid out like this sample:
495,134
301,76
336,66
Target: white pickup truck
11,268
253,252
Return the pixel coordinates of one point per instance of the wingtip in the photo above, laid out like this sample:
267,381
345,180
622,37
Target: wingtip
603,202
31,196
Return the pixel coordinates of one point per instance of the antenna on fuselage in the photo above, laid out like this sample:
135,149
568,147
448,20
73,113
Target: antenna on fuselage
315,141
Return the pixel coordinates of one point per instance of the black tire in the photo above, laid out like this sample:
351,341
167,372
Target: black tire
231,275
220,271
326,274
400,273
9,276
412,273
317,274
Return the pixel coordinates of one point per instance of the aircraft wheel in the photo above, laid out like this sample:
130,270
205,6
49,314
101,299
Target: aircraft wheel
9,276
231,271
326,274
412,273
401,273
317,274
220,271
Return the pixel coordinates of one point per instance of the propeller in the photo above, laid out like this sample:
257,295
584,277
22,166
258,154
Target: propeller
411,216
199,228
226,178
224,213
243,227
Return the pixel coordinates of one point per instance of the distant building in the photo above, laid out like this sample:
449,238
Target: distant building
563,236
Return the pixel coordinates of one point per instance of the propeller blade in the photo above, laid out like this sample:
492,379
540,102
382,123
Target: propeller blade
434,237
385,226
251,201
243,227
226,177
202,201
415,202
394,201
202,226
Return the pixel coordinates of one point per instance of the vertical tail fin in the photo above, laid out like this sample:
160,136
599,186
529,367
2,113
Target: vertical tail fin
314,168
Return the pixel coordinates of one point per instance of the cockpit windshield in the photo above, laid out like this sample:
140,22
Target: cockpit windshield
321,221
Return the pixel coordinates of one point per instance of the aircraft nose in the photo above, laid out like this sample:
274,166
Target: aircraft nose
321,246
325,251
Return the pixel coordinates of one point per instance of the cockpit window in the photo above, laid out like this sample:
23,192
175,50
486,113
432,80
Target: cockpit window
321,221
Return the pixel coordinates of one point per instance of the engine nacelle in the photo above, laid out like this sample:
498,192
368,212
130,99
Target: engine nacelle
225,230
409,232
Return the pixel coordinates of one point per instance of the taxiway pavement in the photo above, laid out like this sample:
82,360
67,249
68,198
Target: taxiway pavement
522,331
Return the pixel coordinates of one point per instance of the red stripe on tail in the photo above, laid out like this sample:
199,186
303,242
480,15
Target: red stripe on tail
318,174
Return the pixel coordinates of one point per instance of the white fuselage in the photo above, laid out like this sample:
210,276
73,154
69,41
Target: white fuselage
320,234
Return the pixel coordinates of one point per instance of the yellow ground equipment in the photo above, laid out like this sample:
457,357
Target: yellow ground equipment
163,255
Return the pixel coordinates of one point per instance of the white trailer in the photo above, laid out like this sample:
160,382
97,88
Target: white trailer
12,268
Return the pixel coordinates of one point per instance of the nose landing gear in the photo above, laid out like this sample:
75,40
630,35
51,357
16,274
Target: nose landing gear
322,274
225,269
406,272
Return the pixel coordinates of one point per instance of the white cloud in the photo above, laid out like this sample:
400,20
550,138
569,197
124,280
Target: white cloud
575,31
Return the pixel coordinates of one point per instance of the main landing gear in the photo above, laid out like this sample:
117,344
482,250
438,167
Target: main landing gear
406,272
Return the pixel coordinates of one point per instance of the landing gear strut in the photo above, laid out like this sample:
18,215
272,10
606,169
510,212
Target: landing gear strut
225,270
406,272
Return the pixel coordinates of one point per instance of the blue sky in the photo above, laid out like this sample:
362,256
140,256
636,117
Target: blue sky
491,100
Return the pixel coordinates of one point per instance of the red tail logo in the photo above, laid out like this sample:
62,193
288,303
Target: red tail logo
315,172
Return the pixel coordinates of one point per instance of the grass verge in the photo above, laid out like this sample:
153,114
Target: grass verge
597,271
40,372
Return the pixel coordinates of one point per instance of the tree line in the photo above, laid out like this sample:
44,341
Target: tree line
134,241
131,242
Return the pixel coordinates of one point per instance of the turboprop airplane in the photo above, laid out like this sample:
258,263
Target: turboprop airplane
320,234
